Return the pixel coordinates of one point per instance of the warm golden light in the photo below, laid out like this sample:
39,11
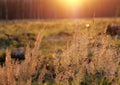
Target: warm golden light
71,6
71,2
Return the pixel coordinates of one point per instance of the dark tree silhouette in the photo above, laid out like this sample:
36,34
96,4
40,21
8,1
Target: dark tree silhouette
6,9
117,12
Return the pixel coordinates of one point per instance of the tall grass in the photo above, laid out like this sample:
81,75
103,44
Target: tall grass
16,73
90,59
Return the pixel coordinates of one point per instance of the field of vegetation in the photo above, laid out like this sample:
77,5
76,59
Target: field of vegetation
59,52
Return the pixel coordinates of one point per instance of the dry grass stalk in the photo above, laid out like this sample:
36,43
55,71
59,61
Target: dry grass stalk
24,71
42,74
89,55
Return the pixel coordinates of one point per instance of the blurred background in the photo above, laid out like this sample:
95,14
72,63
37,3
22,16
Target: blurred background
53,9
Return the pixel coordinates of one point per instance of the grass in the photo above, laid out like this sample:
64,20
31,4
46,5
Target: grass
61,52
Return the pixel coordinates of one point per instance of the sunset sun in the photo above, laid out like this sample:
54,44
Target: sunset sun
71,6
70,2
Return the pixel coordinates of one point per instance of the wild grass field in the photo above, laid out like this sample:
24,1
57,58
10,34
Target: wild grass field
59,52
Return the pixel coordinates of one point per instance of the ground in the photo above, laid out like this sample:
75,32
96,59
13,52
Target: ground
81,38
15,34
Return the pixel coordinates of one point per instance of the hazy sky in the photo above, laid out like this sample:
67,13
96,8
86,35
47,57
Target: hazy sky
59,8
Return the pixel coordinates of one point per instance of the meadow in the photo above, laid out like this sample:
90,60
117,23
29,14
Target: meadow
59,52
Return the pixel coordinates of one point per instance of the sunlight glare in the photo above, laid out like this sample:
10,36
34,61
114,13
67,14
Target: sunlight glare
71,2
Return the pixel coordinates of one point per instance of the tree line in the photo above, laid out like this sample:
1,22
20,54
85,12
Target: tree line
20,9
39,9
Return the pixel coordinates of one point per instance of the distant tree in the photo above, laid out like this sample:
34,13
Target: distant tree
31,9
6,9
41,9
54,11
22,8
17,8
0,9
34,9
117,12
38,8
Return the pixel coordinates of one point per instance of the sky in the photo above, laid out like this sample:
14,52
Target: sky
47,9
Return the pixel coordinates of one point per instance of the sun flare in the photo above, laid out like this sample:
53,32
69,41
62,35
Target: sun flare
71,2
71,6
